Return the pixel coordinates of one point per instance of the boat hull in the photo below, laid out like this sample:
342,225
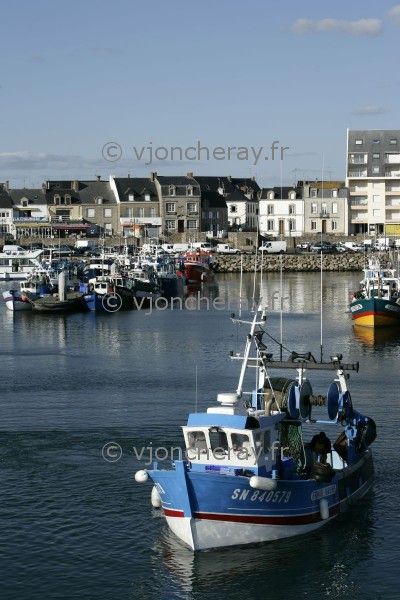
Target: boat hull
375,312
15,303
207,511
197,273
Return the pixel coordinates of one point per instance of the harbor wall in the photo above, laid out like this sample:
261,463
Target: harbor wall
295,262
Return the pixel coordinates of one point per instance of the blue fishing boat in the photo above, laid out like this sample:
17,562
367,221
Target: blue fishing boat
247,474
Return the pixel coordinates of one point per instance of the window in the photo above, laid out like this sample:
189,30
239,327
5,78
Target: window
108,228
197,441
99,200
324,208
24,203
292,195
190,191
170,224
218,442
192,207
313,193
170,207
375,170
314,208
334,208
107,212
270,209
172,190
359,142
141,212
271,195
292,225
393,142
334,193
313,225
292,209
233,208
210,215
270,225
334,225
152,212
241,443
147,197
376,155
192,224
90,213
131,197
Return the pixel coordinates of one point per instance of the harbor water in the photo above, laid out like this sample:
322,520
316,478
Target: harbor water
76,525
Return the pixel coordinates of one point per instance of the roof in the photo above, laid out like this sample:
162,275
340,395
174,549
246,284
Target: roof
138,186
91,190
176,180
245,182
5,200
236,196
36,196
280,193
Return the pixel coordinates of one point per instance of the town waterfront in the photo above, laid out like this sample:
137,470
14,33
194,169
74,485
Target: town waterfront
76,526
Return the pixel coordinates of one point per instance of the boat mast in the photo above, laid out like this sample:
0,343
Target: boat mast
246,354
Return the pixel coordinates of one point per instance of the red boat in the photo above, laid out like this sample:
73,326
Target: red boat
196,267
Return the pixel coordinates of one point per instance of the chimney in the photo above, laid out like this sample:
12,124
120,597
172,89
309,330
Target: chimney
98,177
229,177
7,186
190,175
44,188
153,175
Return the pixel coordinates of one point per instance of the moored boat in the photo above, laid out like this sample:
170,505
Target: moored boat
17,301
247,475
197,267
377,303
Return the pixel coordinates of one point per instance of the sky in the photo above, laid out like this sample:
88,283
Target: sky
78,75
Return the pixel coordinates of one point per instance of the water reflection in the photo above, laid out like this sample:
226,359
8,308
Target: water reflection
377,337
330,554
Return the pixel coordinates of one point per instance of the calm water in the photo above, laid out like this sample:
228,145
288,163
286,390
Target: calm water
75,526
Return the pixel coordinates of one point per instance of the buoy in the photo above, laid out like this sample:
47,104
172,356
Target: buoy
141,476
324,509
155,498
262,483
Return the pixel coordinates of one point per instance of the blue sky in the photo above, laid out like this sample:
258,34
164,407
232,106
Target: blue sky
77,74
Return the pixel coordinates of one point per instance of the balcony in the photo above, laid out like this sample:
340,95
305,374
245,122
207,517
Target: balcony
392,159
359,218
393,173
61,219
360,173
126,221
356,189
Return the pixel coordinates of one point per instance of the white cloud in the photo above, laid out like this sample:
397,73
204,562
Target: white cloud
370,27
369,110
394,14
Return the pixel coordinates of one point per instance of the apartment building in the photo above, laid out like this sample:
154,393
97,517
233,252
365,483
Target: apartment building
373,179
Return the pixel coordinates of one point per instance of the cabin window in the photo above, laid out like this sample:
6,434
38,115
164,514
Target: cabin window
218,440
240,441
197,441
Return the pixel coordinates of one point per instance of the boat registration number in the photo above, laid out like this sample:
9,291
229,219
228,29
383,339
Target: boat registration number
261,496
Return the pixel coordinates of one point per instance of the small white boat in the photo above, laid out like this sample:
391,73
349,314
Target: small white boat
18,264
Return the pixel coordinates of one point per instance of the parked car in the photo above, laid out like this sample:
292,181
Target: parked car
303,246
325,247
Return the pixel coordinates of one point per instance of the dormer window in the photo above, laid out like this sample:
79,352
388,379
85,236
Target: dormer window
334,193
189,190
147,197
99,200
313,192
67,199
271,195
292,195
172,190
57,199
24,203
131,197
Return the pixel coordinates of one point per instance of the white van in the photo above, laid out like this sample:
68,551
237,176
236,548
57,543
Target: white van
181,247
273,247
201,246
227,249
